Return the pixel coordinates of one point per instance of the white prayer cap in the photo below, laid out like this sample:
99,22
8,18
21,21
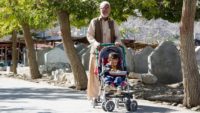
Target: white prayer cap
104,3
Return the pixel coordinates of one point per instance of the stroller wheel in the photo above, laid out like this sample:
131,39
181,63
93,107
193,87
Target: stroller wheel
134,105
103,106
131,105
127,104
110,106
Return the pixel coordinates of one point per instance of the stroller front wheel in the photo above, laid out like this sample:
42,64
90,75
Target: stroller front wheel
134,105
103,106
109,106
131,105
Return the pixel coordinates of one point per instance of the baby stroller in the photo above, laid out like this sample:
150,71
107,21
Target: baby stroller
109,100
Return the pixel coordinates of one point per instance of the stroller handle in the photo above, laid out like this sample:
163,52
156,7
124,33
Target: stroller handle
111,44
107,44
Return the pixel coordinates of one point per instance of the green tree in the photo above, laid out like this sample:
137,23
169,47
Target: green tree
9,25
167,9
76,12
29,15
191,75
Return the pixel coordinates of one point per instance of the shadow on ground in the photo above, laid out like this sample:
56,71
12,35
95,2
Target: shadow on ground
41,93
150,109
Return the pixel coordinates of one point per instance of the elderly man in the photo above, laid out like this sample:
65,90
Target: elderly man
101,30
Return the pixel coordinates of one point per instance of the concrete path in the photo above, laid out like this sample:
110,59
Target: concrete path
18,96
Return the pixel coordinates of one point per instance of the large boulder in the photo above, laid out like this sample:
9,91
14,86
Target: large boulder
146,78
164,62
24,71
50,67
79,47
141,60
82,51
85,58
63,77
197,51
40,53
129,60
56,55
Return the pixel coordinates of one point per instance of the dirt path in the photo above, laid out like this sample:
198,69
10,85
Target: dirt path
18,96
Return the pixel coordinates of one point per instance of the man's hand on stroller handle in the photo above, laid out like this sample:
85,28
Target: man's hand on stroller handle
118,44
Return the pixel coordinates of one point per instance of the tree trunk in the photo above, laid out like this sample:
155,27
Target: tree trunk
14,52
191,77
77,67
31,52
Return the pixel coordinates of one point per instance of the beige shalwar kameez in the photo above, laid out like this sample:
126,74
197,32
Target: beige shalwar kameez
93,80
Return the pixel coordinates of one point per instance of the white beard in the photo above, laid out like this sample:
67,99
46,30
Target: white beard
104,16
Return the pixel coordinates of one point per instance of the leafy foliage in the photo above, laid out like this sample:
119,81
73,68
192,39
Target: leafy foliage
81,11
40,13
167,9
15,12
7,21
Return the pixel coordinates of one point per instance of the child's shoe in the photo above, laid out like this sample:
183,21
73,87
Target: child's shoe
123,85
112,86
119,90
107,87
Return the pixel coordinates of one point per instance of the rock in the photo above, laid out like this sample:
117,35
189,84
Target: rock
197,108
165,103
176,85
146,78
174,104
24,71
82,51
164,63
63,77
3,68
134,75
197,51
48,68
134,82
58,75
40,53
141,60
167,98
56,55
72,86
129,60
180,105
79,47
85,59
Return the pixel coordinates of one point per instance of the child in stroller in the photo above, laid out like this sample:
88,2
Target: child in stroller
111,82
112,74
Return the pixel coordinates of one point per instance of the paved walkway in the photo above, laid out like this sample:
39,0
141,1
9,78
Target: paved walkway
18,96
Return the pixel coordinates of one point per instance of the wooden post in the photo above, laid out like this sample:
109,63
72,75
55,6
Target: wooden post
19,50
6,54
1,52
